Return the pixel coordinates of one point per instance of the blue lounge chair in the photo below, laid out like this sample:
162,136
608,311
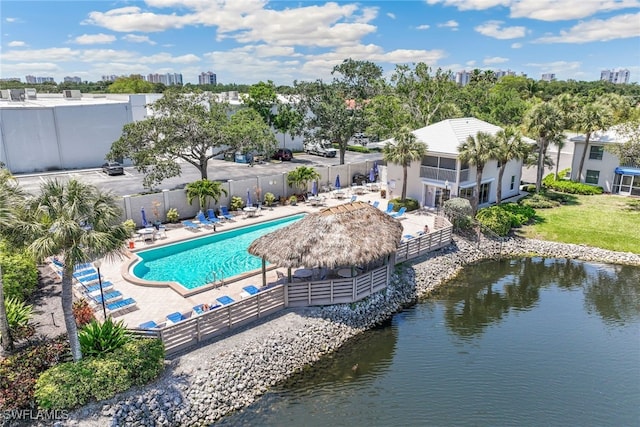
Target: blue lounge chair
225,213
190,225
203,220
148,325
211,216
389,208
376,204
85,273
251,290
353,198
121,305
175,317
108,297
88,279
89,289
224,300
399,213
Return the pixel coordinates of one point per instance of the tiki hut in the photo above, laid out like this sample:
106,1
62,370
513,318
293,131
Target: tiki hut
352,234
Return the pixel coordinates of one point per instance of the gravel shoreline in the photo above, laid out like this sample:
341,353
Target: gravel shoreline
205,384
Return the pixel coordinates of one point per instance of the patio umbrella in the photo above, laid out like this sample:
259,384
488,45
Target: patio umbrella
337,182
314,188
375,167
372,176
248,198
144,217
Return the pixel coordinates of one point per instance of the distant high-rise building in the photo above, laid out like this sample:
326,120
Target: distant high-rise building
207,78
548,77
11,79
110,78
169,79
462,78
34,79
500,73
615,76
74,79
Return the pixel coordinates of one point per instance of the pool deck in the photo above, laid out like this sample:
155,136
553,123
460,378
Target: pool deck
155,303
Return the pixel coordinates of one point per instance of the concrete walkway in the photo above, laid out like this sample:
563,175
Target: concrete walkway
154,303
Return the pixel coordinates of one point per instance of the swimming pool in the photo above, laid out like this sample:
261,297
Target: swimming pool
197,262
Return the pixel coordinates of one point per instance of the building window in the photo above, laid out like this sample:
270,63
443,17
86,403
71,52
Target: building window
592,177
595,152
513,181
466,193
484,193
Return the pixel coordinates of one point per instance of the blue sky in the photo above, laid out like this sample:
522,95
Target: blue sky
246,41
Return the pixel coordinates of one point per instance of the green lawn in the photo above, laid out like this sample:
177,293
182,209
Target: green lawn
605,221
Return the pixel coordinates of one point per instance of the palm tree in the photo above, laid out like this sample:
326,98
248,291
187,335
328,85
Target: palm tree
591,118
78,223
203,189
404,150
477,151
301,176
510,146
10,197
568,105
544,123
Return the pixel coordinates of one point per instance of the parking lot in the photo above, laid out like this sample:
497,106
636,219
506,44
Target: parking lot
131,181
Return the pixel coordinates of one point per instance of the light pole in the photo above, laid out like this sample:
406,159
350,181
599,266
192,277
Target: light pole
97,264
446,189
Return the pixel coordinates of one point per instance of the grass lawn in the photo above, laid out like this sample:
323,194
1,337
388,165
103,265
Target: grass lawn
606,221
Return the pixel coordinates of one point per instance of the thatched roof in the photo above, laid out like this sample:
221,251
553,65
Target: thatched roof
349,234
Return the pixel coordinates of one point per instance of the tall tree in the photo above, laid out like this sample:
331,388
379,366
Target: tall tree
567,105
509,146
477,151
247,132
79,224
404,150
385,113
11,196
543,123
262,97
288,121
133,84
591,118
628,150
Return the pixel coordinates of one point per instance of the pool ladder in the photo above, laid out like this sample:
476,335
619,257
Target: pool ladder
213,275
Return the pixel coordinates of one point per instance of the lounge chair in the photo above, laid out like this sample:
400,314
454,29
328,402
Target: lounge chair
376,204
120,305
389,208
224,212
148,325
248,291
190,225
224,300
81,274
203,220
174,318
353,198
399,213
200,308
89,289
85,280
211,216
108,297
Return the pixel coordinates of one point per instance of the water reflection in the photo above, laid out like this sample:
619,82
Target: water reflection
485,293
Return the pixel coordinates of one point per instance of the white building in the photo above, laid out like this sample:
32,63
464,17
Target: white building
603,168
615,76
548,77
75,79
441,174
208,78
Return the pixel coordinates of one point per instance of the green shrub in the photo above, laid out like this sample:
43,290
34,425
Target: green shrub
64,386
96,338
144,359
357,149
108,377
530,188
19,372
408,203
570,187
18,315
495,219
172,215
236,203
539,201
19,273
520,214
458,211
269,198
130,226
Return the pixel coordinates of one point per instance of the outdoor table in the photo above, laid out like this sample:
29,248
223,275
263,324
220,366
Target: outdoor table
314,200
346,272
147,233
358,189
302,273
250,211
373,186
339,194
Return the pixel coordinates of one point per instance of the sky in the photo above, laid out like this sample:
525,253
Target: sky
247,41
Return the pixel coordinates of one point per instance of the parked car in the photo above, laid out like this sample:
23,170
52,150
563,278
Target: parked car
320,148
113,168
283,154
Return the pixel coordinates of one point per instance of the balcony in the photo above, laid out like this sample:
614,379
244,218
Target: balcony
440,174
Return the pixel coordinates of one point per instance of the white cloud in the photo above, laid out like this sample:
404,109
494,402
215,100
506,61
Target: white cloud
449,24
493,29
164,57
543,10
133,38
494,60
95,39
35,68
516,45
598,30
391,15
423,27
16,43
8,19
55,54
558,67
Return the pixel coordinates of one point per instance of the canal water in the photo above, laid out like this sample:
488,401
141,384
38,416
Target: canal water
526,342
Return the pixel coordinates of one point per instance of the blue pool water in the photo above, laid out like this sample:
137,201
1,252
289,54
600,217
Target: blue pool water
192,263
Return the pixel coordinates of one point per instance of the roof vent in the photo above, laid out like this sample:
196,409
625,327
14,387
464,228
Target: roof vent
30,93
17,94
5,94
71,94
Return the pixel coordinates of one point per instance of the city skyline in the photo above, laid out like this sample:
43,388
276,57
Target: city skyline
246,41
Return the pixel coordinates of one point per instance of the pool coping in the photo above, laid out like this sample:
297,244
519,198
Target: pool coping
125,269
